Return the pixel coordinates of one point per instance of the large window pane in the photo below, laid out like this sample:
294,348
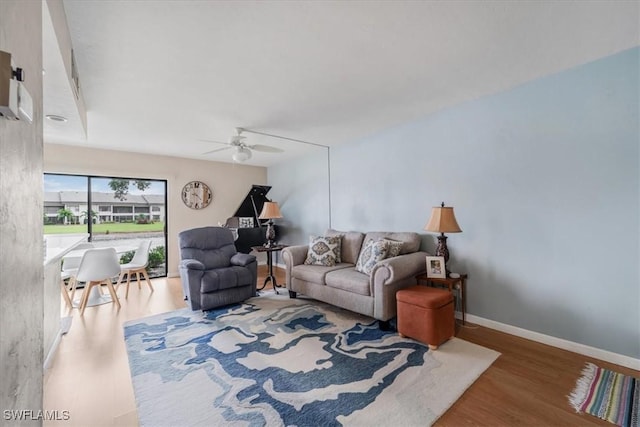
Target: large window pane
122,217
116,212
65,199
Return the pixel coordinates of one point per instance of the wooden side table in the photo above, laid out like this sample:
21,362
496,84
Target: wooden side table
270,278
450,283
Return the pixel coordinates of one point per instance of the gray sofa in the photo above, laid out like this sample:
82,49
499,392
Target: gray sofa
341,285
212,271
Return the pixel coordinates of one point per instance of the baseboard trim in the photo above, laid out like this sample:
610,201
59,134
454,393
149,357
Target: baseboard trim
65,325
585,350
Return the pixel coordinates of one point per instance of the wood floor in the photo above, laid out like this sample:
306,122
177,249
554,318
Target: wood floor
89,376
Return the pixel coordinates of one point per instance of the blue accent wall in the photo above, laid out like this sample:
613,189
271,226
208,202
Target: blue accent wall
545,183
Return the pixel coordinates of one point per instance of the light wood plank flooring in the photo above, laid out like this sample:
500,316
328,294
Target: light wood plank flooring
89,376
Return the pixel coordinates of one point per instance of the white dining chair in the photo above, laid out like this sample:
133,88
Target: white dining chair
70,266
137,266
98,266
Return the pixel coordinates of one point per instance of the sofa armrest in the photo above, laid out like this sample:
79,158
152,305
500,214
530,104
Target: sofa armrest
391,275
192,264
242,260
292,256
398,268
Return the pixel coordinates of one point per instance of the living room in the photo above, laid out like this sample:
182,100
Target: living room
543,175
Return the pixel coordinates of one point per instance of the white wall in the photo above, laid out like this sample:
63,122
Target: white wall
229,182
545,181
303,195
21,249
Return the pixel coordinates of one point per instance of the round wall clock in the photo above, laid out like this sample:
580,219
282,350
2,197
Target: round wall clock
197,195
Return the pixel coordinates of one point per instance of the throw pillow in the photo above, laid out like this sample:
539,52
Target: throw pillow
372,252
339,249
395,247
323,250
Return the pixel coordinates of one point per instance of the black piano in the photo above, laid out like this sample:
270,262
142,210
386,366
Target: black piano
250,229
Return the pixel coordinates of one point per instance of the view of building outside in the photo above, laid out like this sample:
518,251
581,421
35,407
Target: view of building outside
116,212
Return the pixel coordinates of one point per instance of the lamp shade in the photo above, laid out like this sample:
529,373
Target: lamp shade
443,220
270,210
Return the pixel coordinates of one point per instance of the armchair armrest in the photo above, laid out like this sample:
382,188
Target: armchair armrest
191,272
192,264
242,259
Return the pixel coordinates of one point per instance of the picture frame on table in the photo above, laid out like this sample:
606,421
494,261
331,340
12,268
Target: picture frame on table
436,268
245,222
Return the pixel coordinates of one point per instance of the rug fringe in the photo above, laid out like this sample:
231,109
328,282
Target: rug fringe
579,393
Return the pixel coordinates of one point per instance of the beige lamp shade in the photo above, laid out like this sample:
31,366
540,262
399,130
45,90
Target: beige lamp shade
270,210
443,220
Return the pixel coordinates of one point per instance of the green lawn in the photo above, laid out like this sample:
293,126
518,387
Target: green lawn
116,227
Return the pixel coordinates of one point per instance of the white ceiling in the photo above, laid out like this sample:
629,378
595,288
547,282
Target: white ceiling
159,76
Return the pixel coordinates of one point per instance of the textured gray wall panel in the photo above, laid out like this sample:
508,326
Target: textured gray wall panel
21,253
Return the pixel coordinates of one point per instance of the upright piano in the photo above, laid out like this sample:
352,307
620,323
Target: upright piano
251,230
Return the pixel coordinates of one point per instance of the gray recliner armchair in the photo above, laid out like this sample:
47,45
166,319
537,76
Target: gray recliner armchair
212,271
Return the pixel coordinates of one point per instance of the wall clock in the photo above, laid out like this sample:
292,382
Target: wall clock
197,195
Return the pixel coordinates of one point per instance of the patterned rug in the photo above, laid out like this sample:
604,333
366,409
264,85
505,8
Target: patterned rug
280,361
607,395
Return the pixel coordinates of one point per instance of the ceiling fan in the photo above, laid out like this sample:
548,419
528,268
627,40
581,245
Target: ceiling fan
242,150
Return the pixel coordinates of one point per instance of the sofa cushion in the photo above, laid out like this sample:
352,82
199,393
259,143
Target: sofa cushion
372,252
323,250
348,279
351,244
315,273
410,240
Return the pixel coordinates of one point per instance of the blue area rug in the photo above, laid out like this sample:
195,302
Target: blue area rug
278,361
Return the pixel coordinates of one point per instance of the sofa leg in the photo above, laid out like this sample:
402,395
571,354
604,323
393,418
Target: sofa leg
385,325
292,294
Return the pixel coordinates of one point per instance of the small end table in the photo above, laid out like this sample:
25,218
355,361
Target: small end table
270,278
450,283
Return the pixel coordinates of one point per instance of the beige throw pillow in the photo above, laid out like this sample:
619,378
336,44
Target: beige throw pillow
372,252
323,250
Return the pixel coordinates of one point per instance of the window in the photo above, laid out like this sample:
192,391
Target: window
113,210
122,209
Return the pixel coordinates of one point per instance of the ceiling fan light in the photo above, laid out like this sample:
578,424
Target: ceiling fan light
242,154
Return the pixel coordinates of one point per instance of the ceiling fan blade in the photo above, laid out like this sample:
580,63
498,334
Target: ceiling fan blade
265,148
217,149
212,141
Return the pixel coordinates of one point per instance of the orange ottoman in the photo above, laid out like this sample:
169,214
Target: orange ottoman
426,314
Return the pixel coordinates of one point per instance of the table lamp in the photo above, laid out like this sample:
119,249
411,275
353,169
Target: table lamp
443,220
270,211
